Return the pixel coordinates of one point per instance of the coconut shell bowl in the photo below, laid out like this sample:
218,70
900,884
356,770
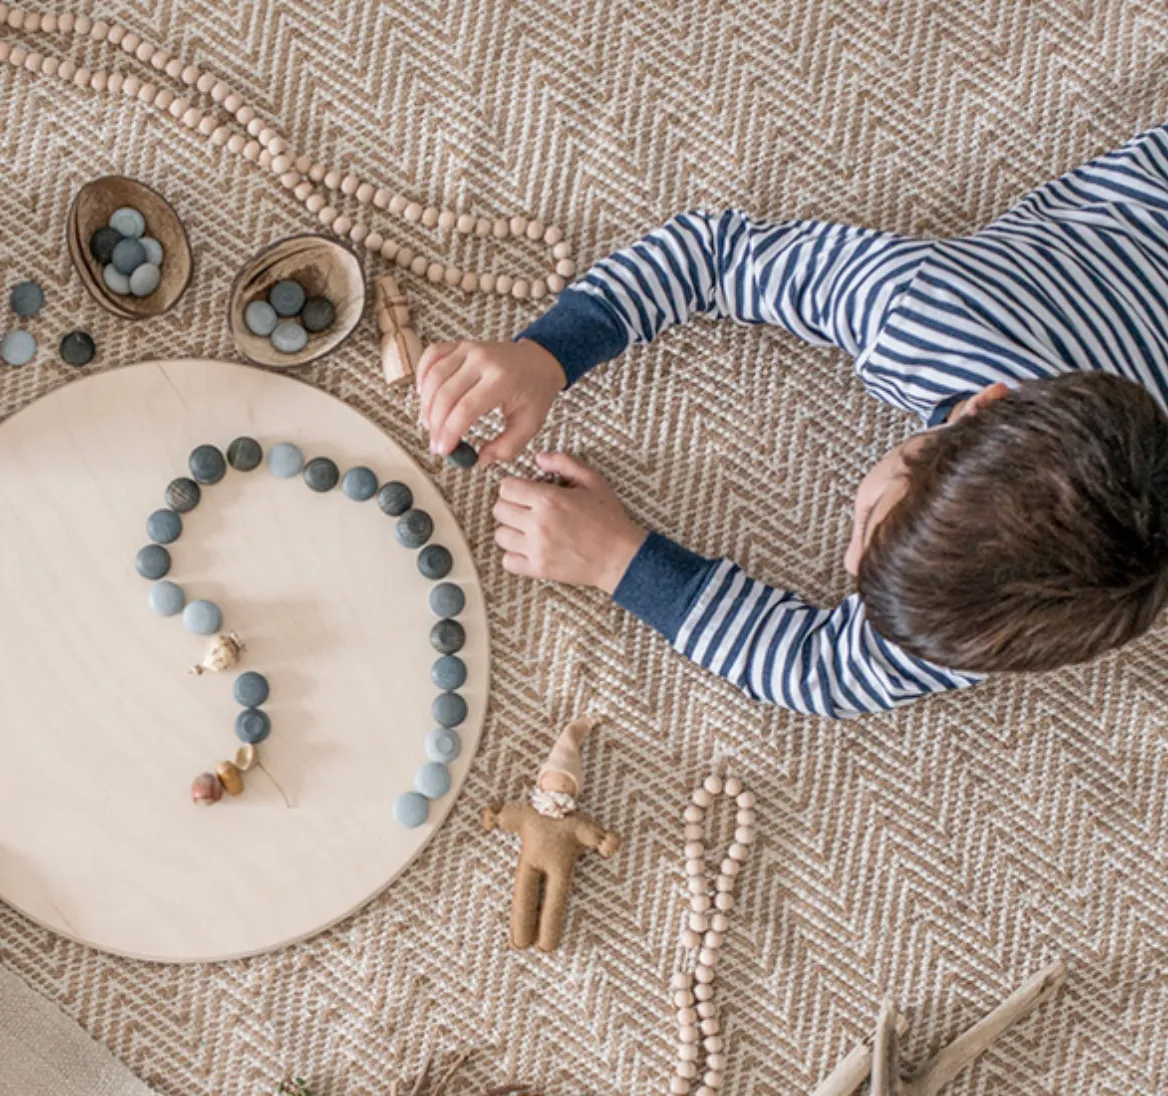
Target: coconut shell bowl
91,210
324,268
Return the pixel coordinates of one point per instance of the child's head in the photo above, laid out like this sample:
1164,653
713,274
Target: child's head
1029,532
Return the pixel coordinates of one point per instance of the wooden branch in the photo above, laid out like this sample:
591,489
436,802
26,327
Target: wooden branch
886,1053
855,1069
947,1063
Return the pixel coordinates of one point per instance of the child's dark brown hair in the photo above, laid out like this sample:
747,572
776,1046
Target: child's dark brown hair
1034,532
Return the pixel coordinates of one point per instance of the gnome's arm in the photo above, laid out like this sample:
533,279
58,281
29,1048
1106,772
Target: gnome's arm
508,817
592,835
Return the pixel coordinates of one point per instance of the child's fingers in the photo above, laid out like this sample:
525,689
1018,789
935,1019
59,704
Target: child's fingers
524,492
570,469
518,564
433,353
511,514
463,415
454,389
439,373
510,540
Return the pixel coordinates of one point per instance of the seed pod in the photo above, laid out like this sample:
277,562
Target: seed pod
230,777
223,652
206,790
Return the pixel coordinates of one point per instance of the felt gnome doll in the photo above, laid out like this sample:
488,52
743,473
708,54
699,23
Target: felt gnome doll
552,835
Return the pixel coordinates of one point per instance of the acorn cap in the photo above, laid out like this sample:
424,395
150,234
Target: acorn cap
565,755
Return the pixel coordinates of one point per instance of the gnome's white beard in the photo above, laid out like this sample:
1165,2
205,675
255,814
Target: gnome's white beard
552,804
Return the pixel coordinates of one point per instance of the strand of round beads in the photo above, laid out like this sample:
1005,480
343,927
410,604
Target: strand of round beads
232,123
707,922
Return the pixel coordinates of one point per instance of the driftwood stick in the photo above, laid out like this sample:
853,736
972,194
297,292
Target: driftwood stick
886,1053
951,1060
854,1070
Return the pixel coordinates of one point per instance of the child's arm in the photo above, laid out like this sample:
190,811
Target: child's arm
826,283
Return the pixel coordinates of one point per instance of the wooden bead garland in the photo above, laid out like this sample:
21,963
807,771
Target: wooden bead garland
705,928
229,122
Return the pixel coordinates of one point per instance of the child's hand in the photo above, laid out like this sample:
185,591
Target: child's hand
461,382
578,534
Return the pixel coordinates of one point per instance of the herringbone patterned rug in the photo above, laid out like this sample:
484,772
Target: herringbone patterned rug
943,852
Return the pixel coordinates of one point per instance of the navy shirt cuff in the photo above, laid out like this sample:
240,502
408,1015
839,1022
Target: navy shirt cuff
662,584
579,332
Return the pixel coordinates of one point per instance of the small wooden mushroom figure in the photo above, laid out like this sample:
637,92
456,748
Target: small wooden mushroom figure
400,346
883,1060
553,834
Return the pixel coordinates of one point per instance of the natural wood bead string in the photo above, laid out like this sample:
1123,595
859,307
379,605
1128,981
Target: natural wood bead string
260,142
707,922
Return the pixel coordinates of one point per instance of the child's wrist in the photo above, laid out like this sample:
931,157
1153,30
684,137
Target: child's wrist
619,558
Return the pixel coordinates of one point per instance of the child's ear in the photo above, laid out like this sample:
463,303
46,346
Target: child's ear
983,398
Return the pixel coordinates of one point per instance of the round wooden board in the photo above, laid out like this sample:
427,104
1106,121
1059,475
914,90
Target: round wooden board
103,727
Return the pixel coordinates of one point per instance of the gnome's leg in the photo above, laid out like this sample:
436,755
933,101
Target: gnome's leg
554,911
525,905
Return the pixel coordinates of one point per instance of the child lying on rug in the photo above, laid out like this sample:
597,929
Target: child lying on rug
1025,529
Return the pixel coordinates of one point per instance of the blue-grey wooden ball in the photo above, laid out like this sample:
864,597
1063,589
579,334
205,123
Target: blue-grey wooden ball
128,222
203,618
128,256
448,709
413,528
289,337
447,600
27,299
164,527
250,689
285,460
395,498
287,297
463,455
244,454
207,464
77,348
115,280
167,598
182,495
435,561
410,810
318,314
321,474
432,779
260,318
154,252
145,279
252,726
18,347
448,672
447,637
359,484
103,242
443,745
152,561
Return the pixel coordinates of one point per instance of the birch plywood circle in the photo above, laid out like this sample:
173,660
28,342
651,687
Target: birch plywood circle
102,725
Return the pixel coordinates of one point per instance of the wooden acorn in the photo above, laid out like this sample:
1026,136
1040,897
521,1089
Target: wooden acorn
400,346
553,835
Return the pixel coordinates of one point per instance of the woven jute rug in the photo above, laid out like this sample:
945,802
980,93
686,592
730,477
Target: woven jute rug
943,852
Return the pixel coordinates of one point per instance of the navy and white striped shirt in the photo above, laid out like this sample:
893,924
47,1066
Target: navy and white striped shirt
1074,277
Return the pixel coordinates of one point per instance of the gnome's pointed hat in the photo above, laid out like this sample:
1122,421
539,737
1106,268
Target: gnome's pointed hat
565,755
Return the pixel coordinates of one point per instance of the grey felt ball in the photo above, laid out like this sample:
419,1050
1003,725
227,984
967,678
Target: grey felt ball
359,484
464,455
435,561
244,454
260,318
167,598
145,280
27,299
289,337
287,297
77,348
128,256
318,314
250,689
410,810
447,637
443,745
321,474
413,528
103,242
152,561
128,221
448,672
448,709
115,280
164,527
432,779
18,348
285,460
395,498
202,617
253,725
447,600
182,495
153,249
207,464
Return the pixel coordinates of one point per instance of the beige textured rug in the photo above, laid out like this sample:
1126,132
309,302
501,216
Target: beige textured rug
945,851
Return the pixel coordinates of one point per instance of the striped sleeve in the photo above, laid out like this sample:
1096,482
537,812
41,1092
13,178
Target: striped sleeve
828,284
770,643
